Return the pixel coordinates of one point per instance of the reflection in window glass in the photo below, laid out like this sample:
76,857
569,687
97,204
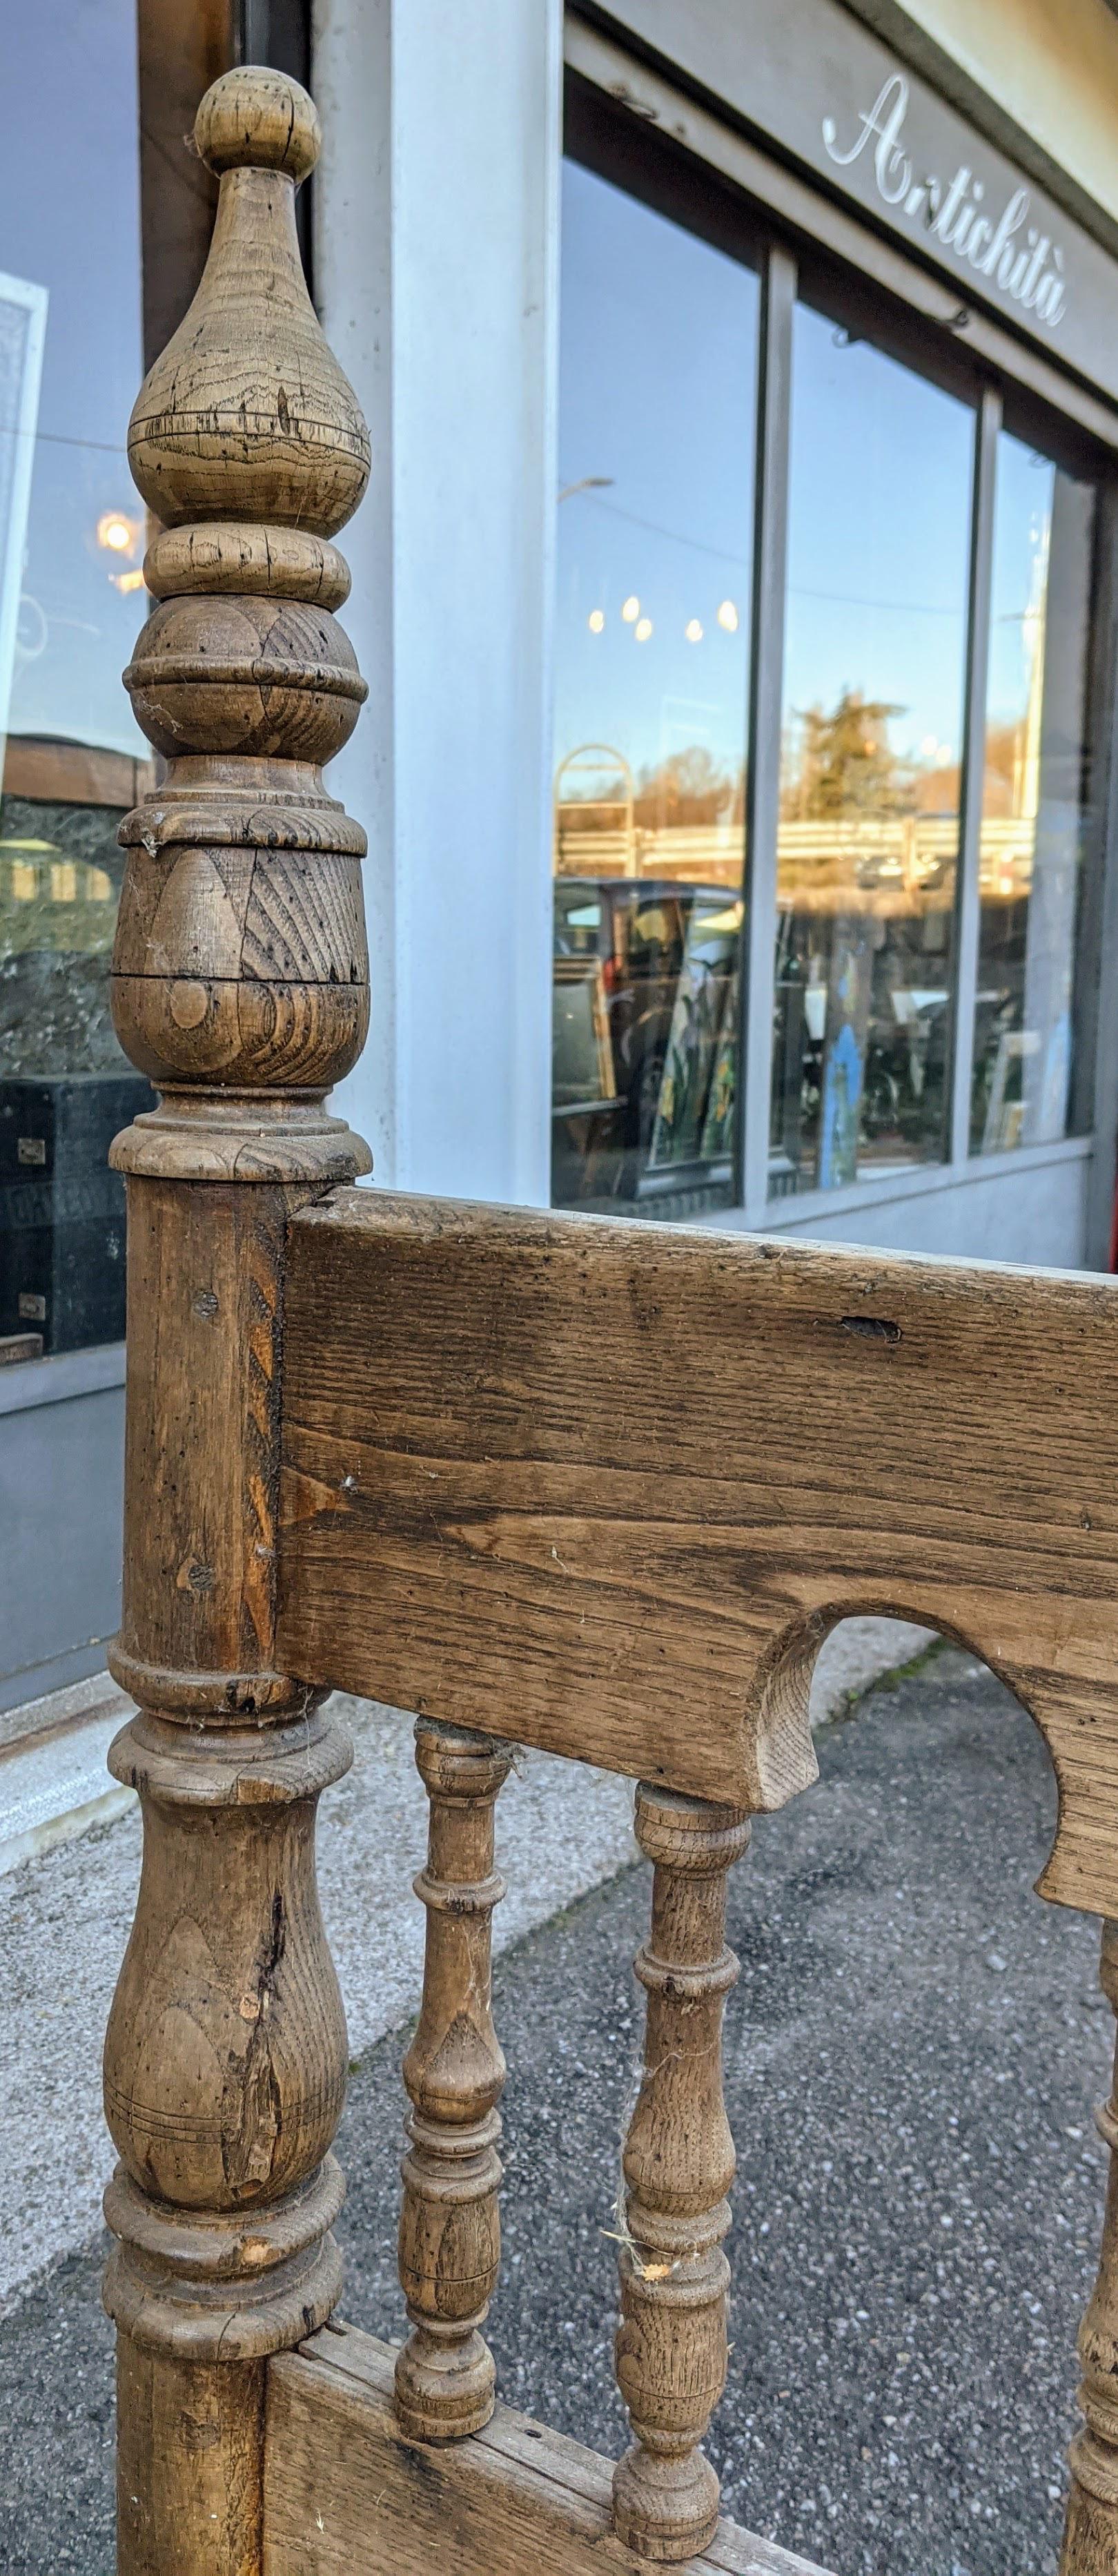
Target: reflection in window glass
71,601
1031,840
879,523
658,373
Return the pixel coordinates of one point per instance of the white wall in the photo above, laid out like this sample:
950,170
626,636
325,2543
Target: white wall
437,280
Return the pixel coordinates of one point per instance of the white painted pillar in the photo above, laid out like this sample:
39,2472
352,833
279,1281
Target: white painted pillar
436,233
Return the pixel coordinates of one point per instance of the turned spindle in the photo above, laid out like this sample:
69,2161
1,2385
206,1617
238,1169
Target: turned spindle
678,2167
450,2234
240,986
1091,2530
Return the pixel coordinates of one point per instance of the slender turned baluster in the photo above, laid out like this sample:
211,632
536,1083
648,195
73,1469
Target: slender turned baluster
450,2229
678,2165
1091,2531
240,986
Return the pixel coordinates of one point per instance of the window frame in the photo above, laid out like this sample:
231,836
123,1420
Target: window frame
708,178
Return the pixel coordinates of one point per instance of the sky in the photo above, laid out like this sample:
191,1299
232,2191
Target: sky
658,392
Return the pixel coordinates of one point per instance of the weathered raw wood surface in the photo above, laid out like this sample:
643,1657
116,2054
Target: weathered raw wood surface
678,2164
240,986
605,1487
601,1487
344,2496
1091,2532
450,2229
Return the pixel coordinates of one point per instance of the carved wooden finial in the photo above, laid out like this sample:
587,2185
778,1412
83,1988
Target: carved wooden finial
240,985
240,957
247,412
679,2164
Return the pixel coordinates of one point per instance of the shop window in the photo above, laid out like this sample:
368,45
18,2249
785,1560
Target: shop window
881,471
657,407
1031,841
71,602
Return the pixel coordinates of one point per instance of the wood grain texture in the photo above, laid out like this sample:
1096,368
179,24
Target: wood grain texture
220,431
678,2164
240,981
605,1487
345,2496
236,556
240,959
1091,2531
189,2446
450,2231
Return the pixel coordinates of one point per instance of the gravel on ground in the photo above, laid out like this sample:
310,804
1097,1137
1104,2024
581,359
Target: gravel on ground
912,2057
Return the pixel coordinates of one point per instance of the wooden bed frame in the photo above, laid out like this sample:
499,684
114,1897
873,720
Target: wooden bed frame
596,1487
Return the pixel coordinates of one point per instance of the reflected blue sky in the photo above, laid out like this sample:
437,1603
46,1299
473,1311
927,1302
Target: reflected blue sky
1022,523
69,221
878,538
658,392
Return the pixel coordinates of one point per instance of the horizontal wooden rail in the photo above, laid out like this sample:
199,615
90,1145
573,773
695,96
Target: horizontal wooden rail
344,2496
604,1487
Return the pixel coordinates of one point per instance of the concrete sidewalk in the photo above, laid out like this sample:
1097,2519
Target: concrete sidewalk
912,2058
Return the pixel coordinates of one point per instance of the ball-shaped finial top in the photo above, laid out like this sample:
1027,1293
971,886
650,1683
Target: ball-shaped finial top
260,120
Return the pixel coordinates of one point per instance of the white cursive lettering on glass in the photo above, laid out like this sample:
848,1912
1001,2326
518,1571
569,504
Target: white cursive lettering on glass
1015,255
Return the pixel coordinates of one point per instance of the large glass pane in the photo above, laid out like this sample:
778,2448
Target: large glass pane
879,520
658,379
71,600
1032,800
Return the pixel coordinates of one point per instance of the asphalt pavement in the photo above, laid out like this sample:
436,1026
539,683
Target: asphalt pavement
913,2054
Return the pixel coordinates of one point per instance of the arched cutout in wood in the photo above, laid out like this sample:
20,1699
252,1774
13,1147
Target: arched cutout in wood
605,1488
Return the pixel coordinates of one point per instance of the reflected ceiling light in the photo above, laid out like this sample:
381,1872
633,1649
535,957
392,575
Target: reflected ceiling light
693,631
728,617
596,621
115,531
127,581
944,751
643,629
631,608
928,746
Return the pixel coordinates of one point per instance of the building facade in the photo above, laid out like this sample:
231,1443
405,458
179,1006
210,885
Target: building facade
738,592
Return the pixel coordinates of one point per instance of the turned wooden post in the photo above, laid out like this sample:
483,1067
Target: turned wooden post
450,2232
1091,2530
678,2167
240,988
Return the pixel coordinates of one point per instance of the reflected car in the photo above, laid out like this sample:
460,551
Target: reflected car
639,933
